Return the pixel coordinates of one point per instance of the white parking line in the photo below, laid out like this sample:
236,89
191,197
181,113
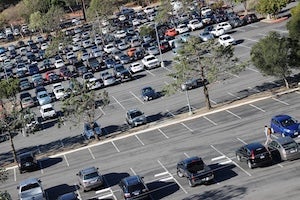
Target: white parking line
230,160
167,69
251,69
211,121
101,110
191,130
285,103
66,160
297,92
186,155
263,34
15,174
107,192
232,74
137,97
163,133
91,153
233,95
41,167
251,39
115,146
218,158
257,107
242,141
150,72
139,140
233,114
171,113
172,176
77,192
118,102
213,101
132,171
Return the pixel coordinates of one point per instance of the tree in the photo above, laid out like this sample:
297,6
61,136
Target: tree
273,56
293,24
147,30
36,21
59,41
203,60
51,19
82,104
3,177
271,8
102,9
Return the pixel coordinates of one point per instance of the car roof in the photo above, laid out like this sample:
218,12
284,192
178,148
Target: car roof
284,140
132,180
49,105
254,145
29,181
191,159
281,117
26,154
88,170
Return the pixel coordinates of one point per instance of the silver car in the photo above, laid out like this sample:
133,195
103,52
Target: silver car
284,148
31,189
90,178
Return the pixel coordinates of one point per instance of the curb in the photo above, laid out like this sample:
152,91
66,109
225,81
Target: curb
273,21
174,121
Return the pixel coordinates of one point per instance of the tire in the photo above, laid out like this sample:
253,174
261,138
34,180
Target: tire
191,184
238,157
249,164
180,174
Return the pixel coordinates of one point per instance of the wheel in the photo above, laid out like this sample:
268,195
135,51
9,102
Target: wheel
179,173
191,184
238,157
249,164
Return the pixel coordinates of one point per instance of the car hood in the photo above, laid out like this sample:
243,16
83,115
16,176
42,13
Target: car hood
294,128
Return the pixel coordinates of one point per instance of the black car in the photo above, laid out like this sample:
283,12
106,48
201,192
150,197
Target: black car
255,154
133,187
27,162
148,93
68,196
93,64
250,18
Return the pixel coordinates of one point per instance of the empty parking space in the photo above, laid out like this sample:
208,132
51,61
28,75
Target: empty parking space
103,150
175,130
84,156
269,104
247,110
152,137
223,117
128,143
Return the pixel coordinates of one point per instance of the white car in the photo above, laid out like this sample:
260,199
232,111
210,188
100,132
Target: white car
44,46
150,62
195,24
58,91
97,41
149,10
226,40
225,25
217,31
135,22
85,56
109,48
47,111
182,28
108,79
76,47
93,84
59,63
86,43
122,17
205,10
120,34
123,46
136,67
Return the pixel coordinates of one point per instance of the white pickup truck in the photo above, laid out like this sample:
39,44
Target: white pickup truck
150,62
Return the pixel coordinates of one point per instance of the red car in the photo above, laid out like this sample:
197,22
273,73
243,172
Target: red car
171,32
52,77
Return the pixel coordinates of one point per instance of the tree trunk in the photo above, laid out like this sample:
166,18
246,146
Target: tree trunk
286,82
12,147
205,89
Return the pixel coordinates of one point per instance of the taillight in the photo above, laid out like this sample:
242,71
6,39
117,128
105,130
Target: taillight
252,155
127,195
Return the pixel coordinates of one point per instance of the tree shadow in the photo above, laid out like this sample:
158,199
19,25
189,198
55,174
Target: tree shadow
161,189
113,179
223,193
239,41
48,162
56,191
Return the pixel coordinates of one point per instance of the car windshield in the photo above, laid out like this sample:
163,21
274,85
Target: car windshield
43,95
288,122
30,190
91,175
30,186
195,166
27,159
136,187
147,90
136,114
48,109
290,145
259,151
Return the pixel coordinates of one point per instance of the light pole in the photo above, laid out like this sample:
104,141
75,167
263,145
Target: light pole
162,64
188,101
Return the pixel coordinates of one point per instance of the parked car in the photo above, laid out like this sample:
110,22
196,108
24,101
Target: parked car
226,40
26,100
150,62
94,83
217,31
47,111
192,83
43,98
284,148
59,91
182,28
136,67
31,188
135,117
68,196
148,93
171,32
254,154
27,162
24,84
285,125
133,187
205,36
195,24
91,130
90,178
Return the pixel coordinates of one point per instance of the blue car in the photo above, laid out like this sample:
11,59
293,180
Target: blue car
91,131
148,93
285,125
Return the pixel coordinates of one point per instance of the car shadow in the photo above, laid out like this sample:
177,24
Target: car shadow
231,31
161,189
237,42
48,162
112,179
56,191
138,76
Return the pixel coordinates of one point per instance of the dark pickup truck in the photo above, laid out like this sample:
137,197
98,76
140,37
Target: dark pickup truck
195,170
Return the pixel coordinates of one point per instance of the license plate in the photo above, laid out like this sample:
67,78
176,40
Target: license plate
262,157
292,151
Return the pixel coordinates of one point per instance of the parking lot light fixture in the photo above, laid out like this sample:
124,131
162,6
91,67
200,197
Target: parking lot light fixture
188,101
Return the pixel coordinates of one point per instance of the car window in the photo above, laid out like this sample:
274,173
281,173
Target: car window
30,186
290,145
196,166
259,151
135,187
288,122
136,114
91,175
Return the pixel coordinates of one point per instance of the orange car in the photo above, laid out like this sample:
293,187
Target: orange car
131,52
171,32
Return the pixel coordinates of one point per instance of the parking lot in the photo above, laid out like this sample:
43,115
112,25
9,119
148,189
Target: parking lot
154,154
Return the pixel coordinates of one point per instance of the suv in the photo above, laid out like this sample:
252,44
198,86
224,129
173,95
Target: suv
47,111
27,162
31,189
90,132
284,148
135,117
285,125
90,178
255,154
133,187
